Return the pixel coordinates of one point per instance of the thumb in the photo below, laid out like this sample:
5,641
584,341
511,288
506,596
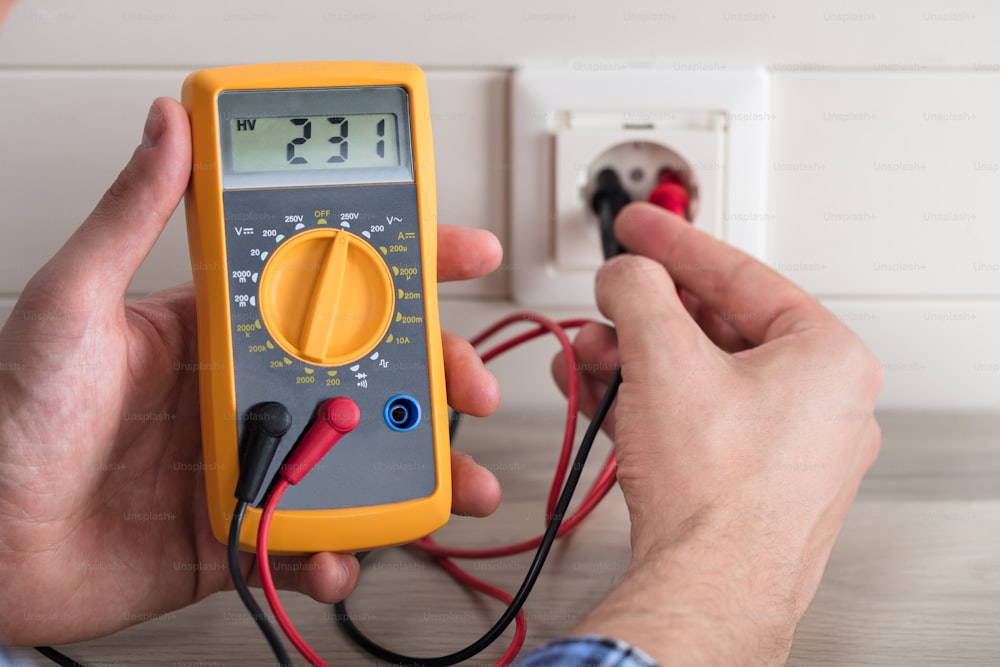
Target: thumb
103,254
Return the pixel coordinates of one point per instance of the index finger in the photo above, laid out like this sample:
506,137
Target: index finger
758,302
465,252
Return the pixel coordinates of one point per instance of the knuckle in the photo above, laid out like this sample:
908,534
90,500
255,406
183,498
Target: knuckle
863,366
871,372
874,444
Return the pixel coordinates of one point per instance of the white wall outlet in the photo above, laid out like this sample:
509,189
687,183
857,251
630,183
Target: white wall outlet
566,125
638,146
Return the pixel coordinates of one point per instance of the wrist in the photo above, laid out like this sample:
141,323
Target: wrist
698,602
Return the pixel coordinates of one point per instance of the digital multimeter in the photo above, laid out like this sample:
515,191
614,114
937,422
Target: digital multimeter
312,229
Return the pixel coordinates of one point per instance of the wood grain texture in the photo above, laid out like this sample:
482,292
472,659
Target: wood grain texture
914,578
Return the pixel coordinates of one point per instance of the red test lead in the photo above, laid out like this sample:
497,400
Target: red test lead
336,418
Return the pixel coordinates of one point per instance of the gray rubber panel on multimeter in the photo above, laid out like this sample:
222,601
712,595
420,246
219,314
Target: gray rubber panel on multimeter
374,464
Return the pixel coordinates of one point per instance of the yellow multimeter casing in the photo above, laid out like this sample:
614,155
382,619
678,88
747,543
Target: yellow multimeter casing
312,229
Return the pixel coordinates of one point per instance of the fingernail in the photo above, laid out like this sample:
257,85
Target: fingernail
153,128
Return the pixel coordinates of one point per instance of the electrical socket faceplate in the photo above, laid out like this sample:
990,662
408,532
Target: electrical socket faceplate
564,123
638,146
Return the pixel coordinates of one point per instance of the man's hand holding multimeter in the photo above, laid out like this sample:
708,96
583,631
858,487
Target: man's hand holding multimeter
111,481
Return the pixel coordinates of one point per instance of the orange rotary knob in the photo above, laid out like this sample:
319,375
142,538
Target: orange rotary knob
326,297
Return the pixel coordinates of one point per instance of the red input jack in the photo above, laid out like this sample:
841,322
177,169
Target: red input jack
337,417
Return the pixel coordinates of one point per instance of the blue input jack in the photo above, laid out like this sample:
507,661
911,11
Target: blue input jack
402,413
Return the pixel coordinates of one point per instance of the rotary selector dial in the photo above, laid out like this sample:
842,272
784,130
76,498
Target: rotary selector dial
326,296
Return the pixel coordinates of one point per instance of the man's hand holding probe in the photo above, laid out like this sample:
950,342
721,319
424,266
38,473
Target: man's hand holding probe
742,429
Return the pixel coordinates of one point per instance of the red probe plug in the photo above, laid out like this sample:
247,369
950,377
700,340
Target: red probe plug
337,417
670,193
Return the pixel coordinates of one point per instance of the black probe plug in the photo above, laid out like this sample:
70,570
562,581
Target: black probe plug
607,202
268,424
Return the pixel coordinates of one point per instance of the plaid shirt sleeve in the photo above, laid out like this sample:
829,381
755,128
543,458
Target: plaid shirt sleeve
587,651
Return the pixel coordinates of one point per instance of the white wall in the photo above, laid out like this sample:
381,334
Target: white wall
884,131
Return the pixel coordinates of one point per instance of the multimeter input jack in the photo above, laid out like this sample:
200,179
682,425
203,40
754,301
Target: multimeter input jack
402,413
